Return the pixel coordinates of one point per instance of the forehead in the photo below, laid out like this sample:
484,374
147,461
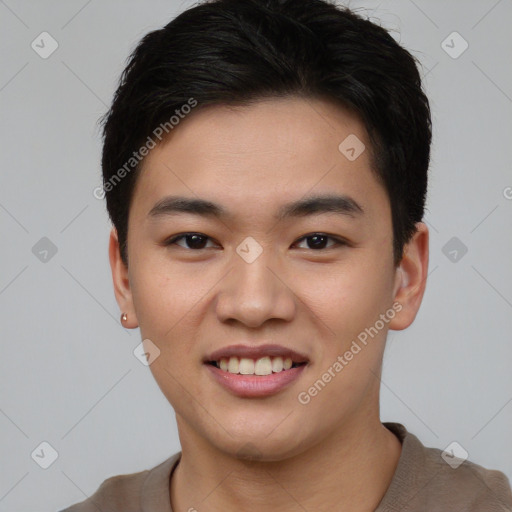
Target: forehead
256,157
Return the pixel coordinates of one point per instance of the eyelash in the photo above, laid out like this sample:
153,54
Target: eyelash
338,241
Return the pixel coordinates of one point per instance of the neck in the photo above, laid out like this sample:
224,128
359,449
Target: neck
353,466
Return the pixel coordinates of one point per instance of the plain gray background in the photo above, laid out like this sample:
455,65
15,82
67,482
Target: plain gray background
68,374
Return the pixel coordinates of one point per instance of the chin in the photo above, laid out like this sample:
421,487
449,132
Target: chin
261,447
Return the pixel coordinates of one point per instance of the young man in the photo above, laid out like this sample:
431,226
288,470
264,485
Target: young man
265,168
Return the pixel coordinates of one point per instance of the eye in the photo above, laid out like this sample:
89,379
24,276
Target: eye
192,240
198,241
318,241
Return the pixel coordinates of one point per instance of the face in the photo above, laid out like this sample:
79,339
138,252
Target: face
312,279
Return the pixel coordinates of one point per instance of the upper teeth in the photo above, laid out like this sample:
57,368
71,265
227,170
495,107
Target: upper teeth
263,366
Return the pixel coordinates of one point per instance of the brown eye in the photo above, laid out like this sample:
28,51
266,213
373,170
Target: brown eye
195,241
318,241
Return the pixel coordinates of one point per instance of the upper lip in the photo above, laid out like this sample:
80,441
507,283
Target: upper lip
256,352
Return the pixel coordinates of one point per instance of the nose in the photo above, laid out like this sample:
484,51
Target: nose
252,293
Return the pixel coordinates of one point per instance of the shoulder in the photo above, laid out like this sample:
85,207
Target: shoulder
120,492
473,485
124,493
432,479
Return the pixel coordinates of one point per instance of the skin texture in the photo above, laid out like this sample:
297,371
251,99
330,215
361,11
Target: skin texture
190,302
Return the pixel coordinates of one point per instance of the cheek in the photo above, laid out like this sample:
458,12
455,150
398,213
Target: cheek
346,304
167,303
346,300
162,298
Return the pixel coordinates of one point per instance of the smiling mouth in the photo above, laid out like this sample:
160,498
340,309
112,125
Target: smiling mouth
259,367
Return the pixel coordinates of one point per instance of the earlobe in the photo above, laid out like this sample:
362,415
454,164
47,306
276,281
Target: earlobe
121,282
410,278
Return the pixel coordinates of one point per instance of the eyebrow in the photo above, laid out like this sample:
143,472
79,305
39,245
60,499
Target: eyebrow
312,205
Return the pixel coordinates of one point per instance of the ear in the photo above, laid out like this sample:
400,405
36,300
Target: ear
121,281
411,278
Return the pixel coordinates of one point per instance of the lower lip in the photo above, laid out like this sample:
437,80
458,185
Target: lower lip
253,386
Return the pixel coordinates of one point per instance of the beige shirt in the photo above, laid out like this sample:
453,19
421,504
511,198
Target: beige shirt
423,481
